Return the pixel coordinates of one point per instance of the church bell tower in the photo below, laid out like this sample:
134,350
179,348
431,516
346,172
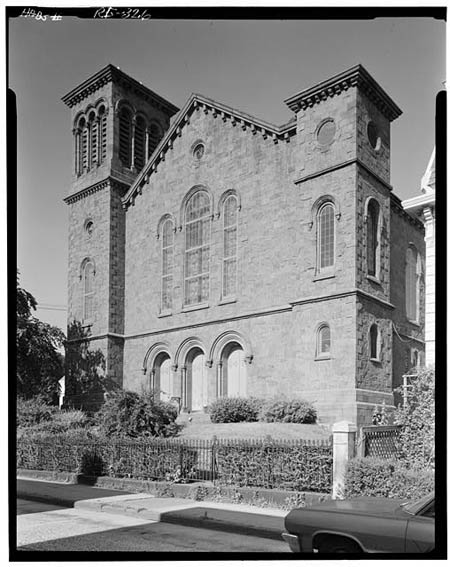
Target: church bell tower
117,123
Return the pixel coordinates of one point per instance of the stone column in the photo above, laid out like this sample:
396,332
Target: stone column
152,380
344,448
219,378
184,388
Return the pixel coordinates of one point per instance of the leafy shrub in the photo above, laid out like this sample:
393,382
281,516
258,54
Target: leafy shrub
234,410
417,417
388,478
288,411
128,414
60,422
33,411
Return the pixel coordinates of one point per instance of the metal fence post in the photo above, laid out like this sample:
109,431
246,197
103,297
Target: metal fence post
344,446
213,458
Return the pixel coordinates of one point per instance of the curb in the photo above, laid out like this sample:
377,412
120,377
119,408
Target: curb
272,497
193,514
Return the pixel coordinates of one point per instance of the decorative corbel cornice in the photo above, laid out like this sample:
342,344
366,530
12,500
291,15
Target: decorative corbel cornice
82,193
109,74
356,76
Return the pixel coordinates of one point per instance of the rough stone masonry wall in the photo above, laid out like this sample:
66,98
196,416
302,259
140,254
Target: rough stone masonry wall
313,158
95,246
369,187
377,159
256,169
404,231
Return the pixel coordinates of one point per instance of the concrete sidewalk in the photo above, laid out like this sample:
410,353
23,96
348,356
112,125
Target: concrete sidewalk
237,518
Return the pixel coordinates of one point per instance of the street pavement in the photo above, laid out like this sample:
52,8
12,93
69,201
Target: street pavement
101,512
50,528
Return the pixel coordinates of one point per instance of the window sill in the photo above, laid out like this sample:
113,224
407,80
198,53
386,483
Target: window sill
189,308
373,279
324,276
323,357
164,314
415,323
375,360
227,300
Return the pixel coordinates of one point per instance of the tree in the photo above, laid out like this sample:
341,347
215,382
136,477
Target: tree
417,417
39,363
85,368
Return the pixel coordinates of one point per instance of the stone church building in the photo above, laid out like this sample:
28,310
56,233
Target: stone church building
214,254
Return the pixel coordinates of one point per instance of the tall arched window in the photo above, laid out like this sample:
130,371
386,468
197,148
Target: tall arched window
373,244
102,134
155,136
413,279
323,346
196,264
374,342
167,265
93,151
88,299
139,143
84,158
325,236
125,135
230,208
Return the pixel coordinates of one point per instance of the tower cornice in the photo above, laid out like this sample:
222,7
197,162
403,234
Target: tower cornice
112,74
82,193
356,76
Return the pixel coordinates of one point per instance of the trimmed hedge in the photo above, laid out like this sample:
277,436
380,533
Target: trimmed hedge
155,460
388,478
288,411
286,466
234,410
297,466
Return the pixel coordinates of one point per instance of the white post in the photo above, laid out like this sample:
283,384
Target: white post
344,448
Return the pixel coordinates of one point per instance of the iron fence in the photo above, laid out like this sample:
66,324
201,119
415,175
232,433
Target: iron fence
285,464
379,441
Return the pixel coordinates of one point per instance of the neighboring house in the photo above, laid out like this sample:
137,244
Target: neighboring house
214,254
423,207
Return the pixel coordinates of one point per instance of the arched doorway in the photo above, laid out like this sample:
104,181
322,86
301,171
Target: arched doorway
163,381
196,380
234,368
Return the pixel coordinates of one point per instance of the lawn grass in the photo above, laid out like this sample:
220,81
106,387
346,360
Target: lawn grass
201,427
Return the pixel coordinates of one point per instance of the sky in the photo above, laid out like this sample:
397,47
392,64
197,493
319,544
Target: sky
252,65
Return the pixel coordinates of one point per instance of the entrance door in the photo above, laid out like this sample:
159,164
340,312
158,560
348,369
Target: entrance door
165,381
236,374
199,384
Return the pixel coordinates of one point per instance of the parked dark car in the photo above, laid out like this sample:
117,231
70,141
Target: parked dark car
362,525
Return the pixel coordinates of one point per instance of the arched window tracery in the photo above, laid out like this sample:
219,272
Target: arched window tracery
229,266
197,248
325,236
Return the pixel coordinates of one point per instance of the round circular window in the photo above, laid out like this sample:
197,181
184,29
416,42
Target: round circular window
199,151
89,227
326,132
374,137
